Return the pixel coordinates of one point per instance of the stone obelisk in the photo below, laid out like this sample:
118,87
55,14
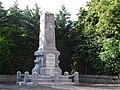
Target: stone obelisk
47,62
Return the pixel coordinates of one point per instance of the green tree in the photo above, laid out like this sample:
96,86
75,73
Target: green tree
85,51
101,30
63,27
5,41
108,28
21,33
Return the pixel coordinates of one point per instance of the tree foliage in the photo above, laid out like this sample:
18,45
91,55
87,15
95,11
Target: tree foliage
18,38
85,51
102,35
91,44
63,27
109,29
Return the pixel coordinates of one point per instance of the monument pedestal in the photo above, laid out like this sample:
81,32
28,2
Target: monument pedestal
50,70
51,62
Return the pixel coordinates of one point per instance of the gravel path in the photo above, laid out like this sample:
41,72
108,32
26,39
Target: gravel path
16,87
61,87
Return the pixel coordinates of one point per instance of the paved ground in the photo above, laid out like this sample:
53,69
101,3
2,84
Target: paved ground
61,87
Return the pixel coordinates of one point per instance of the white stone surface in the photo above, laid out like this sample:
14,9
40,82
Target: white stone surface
47,45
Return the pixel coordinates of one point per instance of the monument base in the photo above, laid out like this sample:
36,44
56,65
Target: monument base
50,70
54,79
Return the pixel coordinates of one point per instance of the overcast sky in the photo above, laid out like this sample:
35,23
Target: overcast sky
50,5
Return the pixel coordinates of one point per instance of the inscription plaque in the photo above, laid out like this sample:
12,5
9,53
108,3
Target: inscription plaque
50,60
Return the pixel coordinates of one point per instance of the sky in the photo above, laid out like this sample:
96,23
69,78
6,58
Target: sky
52,6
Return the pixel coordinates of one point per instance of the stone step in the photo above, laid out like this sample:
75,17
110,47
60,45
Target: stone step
52,83
44,80
51,80
65,80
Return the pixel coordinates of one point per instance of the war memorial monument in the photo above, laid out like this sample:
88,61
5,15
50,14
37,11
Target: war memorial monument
47,70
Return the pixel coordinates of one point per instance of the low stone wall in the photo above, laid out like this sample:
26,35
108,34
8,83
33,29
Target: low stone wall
92,79
100,79
7,78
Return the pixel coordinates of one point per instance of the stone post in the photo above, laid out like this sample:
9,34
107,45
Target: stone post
34,78
66,73
18,77
56,77
76,78
26,76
